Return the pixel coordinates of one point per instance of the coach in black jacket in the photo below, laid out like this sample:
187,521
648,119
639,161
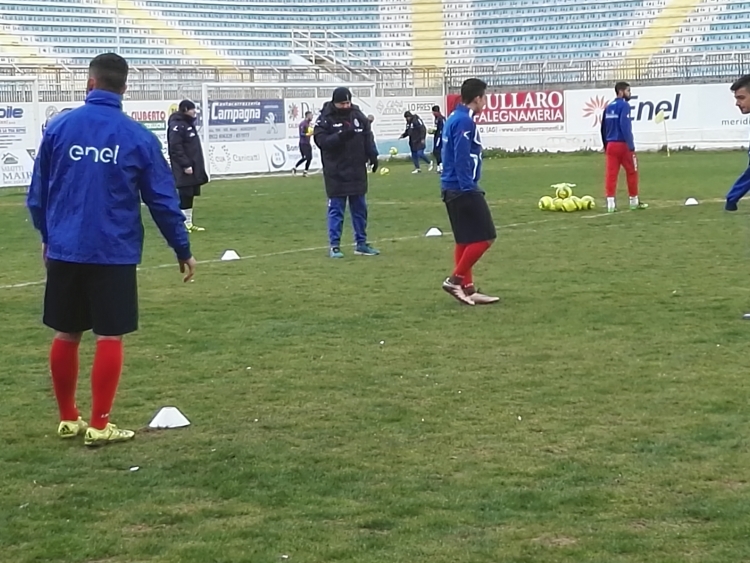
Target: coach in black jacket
344,135
417,133
186,158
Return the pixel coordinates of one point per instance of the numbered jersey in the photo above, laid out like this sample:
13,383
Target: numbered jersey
462,152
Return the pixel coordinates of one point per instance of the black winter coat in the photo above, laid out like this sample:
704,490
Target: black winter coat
346,146
417,133
185,151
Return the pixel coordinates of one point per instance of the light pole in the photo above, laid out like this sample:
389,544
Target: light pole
117,26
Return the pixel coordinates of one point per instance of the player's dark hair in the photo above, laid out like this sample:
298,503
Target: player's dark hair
471,89
308,113
742,82
435,108
621,87
110,71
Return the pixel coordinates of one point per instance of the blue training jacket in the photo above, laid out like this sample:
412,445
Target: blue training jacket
616,124
94,166
462,152
739,189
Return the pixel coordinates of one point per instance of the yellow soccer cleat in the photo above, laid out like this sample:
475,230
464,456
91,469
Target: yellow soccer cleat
71,428
110,435
194,228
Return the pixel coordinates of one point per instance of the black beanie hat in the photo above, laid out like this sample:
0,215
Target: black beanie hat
186,105
341,94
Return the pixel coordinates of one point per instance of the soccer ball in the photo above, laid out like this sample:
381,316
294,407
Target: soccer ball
557,204
393,151
579,203
563,192
589,201
384,171
569,205
545,203
309,131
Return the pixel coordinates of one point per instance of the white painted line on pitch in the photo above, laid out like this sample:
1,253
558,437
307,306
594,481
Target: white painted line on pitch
319,248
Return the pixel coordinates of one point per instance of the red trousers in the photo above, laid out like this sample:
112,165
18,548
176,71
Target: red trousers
618,154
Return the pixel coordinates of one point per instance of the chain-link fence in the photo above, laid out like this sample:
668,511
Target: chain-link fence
61,84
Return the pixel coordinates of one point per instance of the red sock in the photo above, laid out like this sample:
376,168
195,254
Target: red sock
63,363
471,256
105,376
457,255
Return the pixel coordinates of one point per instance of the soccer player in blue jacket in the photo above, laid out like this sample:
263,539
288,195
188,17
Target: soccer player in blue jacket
619,146
95,165
741,90
469,214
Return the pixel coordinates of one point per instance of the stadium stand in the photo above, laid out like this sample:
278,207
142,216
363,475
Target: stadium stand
367,35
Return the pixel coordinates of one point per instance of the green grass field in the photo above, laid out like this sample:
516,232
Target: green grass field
351,411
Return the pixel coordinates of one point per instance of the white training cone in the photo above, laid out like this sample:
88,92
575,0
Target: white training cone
230,255
169,417
434,232
691,201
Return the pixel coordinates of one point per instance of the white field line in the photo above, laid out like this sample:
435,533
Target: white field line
321,248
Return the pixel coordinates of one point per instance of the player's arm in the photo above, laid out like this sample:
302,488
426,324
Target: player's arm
626,126
325,137
604,129
176,146
465,162
36,199
371,149
739,189
159,193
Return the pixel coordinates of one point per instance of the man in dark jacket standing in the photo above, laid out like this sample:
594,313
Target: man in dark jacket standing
186,158
417,133
344,136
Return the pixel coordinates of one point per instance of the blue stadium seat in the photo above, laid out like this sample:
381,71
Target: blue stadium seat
379,32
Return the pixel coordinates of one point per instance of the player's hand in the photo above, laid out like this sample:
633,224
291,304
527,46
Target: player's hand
187,267
44,254
189,170
374,164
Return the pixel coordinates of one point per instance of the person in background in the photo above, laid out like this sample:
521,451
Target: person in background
619,146
437,138
95,165
305,147
417,134
343,135
186,159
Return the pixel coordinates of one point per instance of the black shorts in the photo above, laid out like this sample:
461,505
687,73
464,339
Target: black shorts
306,151
470,216
190,191
81,297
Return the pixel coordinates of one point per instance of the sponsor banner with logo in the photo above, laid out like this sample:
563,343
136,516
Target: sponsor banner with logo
248,157
19,137
514,119
283,155
16,166
239,121
700,116
389,121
